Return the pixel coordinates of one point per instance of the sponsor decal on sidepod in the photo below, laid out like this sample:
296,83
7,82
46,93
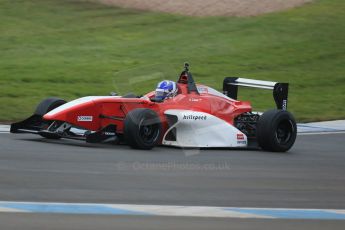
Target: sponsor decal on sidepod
240,136
240,139
195,117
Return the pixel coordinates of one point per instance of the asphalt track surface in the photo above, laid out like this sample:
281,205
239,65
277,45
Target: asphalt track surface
311,175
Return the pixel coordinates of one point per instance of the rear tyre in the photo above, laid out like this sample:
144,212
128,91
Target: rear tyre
276,130
142,128
46,106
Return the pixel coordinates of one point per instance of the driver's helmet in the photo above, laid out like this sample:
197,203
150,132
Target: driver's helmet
165,89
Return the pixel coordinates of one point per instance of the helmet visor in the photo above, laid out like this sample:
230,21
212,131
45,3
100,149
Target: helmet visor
160,94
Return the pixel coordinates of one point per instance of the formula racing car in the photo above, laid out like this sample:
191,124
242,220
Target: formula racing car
197,116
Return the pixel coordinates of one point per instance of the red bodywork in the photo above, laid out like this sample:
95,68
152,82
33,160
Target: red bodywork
113,110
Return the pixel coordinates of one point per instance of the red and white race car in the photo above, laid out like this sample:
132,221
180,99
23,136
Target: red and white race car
198,116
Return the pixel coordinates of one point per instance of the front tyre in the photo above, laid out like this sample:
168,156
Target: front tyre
276,130
46,106
142,128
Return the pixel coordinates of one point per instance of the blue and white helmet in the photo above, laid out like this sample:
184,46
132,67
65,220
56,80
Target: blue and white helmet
165,89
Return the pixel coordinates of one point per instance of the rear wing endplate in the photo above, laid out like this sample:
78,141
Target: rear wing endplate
280,90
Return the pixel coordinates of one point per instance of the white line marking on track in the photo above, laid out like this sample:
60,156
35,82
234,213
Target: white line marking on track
4,128
321,133
171,210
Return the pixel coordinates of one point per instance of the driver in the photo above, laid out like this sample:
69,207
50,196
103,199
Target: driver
165,89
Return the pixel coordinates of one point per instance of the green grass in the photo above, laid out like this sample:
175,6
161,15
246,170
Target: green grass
71,49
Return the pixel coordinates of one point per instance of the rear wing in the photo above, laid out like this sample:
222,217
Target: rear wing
280,90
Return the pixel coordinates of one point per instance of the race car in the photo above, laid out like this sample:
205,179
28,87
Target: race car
197,116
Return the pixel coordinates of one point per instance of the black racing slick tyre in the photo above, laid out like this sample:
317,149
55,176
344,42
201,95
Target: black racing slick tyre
276,130
46,106
142,128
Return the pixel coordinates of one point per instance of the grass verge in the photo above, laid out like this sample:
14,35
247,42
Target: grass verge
71,49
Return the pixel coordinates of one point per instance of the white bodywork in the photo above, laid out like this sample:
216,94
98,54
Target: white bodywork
198,129
77,102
